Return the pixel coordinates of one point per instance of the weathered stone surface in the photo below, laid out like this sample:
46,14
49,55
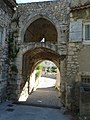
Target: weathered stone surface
5,20
64,46
78,3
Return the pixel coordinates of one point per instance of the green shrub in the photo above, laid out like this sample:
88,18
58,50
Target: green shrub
38,71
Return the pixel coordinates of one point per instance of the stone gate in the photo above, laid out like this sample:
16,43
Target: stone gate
46,21
55,31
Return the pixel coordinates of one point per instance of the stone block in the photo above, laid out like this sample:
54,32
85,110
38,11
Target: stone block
71,53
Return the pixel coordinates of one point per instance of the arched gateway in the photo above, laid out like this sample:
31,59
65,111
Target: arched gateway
55,30
41,36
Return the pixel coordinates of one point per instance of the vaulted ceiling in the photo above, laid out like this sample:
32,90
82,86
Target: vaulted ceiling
39,29
33,57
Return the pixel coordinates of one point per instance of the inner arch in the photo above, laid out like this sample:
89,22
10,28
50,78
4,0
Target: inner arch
35,56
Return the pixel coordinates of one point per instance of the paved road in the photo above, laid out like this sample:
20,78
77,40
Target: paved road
46,94
22,112
43,104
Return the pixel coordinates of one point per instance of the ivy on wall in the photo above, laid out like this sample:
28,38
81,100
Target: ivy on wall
13,46
13,49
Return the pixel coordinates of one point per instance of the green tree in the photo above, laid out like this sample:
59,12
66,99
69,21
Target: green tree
48,69
53,69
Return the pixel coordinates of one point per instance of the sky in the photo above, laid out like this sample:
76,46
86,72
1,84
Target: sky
25,1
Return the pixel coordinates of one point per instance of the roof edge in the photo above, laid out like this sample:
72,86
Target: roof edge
80,6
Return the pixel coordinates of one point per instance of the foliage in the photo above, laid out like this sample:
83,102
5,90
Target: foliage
38,71
13,49
53,69
16,19
48,69
39,67
14,68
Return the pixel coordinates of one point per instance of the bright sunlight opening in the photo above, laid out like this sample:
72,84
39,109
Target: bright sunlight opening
44,76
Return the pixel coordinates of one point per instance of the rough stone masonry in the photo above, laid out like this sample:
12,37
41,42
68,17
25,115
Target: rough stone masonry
63,20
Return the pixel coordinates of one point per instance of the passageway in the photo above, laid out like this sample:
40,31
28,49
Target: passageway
45,96
39,29
43,89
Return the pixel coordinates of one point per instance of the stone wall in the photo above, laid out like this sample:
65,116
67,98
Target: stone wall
77,66
54,11
77,59
72,69
5,21
78,3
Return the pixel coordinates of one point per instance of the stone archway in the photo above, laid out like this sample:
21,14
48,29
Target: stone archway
32,50
33,57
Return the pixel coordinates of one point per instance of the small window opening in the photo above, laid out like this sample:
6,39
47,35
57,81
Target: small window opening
43,40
